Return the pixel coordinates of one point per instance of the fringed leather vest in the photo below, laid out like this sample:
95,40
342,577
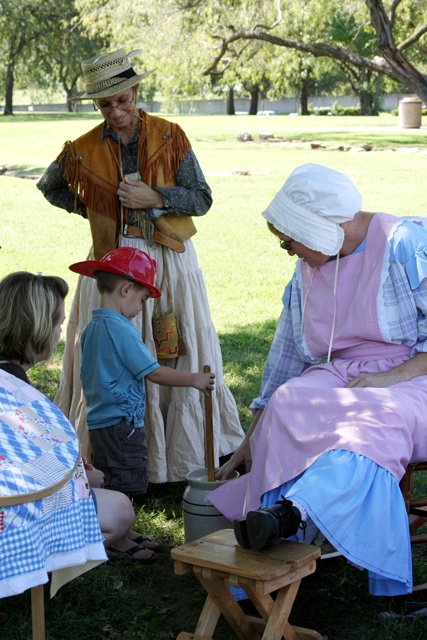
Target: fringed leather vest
91,170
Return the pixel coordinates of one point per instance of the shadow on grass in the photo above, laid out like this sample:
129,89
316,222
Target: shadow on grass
149,602
24,171
244,353
133,601
46,375
383,139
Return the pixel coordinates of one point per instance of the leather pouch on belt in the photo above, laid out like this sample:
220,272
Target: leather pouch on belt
166,335
179,228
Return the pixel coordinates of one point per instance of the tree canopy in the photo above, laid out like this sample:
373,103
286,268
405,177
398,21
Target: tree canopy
205,46
400,38
43,43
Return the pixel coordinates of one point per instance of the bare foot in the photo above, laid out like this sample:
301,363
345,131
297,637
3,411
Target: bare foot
138,538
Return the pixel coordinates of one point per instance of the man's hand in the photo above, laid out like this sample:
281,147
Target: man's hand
135,194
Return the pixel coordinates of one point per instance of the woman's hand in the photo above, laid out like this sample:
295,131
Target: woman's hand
241,456
135,194
95,477
381,379
412,368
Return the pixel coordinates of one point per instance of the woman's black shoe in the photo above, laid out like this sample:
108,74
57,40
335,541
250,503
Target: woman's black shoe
264,526
241,532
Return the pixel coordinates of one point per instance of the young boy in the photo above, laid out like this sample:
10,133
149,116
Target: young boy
115,362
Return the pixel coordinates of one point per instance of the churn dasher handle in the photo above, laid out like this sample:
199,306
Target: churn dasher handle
209,445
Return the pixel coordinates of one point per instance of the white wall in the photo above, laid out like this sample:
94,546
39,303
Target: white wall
241,105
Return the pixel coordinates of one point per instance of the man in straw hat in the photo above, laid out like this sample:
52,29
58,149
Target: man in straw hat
343,403
137,180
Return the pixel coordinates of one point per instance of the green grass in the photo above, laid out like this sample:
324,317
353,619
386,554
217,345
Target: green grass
245,273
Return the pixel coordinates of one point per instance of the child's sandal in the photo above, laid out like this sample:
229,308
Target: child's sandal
129,555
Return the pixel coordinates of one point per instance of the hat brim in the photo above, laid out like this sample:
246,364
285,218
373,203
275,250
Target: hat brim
90,267
127,83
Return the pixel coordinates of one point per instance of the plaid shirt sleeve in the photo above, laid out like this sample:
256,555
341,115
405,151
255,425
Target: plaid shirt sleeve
284,360
404,296
420,297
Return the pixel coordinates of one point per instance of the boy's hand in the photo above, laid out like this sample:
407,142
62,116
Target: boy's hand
204,382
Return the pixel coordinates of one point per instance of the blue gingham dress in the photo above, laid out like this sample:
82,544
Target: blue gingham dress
38,448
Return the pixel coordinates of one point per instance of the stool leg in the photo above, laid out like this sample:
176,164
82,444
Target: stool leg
263,603
208,619
232,612
278,625
37,612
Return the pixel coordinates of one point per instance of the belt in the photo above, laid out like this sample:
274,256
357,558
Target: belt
160,238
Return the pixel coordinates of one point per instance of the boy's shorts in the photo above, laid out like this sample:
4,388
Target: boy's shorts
121,453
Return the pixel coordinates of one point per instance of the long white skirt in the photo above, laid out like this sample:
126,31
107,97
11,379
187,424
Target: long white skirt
174,416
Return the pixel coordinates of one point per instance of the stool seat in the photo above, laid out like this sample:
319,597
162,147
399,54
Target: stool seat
219,562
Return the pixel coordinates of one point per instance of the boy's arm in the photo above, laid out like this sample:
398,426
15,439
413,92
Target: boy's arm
173,378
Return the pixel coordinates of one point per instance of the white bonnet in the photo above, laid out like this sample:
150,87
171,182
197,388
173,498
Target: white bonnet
312,204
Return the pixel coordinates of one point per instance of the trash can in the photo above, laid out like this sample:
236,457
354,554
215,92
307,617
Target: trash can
410,112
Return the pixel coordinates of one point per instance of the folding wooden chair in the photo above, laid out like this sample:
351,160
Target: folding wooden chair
417,512
417,509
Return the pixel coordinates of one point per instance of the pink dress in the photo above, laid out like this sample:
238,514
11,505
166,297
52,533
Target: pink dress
314,414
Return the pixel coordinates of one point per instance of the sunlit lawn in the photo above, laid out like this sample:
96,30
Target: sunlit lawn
244,269
245,272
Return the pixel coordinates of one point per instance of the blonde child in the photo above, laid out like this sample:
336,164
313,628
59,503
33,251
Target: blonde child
115,363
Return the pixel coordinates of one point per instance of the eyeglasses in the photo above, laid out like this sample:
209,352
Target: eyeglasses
121,105
285,244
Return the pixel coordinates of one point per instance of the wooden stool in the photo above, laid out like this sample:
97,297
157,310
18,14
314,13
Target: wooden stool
218,562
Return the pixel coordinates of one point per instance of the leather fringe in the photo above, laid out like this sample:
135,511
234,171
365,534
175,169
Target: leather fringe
86,186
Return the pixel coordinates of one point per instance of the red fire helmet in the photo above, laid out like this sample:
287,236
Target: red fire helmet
128,262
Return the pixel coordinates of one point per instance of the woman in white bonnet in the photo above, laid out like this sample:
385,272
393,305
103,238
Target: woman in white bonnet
344,391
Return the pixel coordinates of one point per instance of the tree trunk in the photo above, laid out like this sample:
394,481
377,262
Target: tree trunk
369,102
365,103
230,103
406,73
8,105
69,90
71,105
253,108
376,101
303,98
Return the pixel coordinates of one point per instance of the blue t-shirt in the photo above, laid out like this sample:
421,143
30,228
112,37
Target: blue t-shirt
114,363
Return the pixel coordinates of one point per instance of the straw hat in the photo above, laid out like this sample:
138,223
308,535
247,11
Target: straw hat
109,74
